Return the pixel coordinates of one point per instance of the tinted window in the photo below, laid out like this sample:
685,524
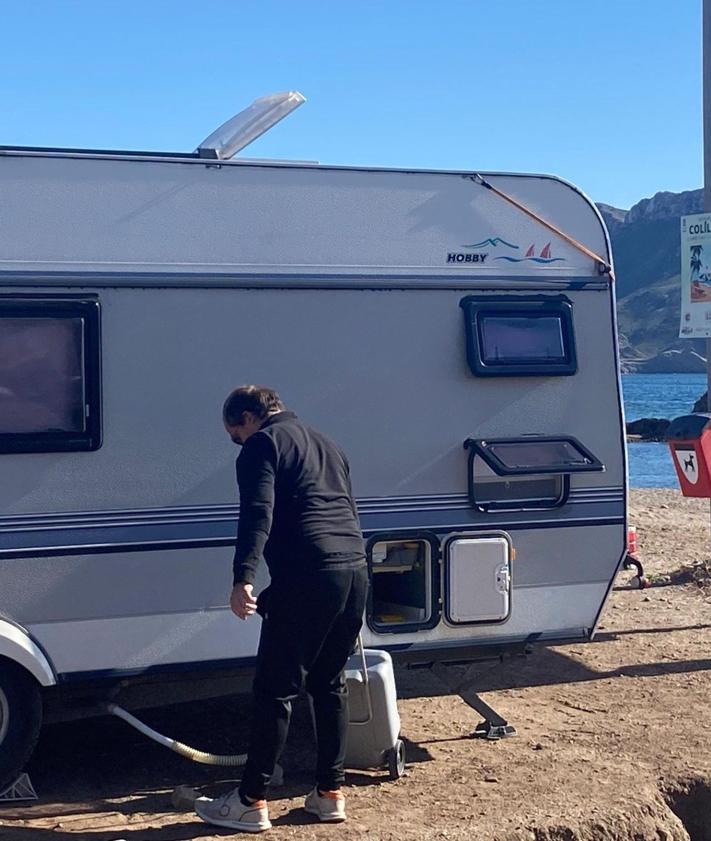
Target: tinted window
515,338
519,337
508,457
512,492
539,454
41,380
49,375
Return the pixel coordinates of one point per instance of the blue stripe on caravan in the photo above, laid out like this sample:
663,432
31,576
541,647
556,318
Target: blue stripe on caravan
213,513
199,527
47,551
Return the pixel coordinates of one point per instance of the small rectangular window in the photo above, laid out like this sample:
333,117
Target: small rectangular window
49,375
402,589
519,336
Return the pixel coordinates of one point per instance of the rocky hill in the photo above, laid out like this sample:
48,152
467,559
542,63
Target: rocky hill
646,247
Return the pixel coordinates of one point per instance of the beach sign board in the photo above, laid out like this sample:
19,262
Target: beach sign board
695,276
686,458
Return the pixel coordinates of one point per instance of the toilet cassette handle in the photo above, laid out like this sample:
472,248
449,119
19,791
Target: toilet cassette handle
365,679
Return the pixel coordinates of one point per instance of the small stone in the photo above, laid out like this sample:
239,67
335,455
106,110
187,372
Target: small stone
183,798
491,779
538,746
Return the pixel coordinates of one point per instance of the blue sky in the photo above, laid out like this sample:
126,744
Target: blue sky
606,94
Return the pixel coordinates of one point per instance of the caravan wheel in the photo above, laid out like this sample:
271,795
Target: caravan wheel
20,719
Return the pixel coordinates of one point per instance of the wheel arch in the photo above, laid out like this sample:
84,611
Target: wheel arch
17,645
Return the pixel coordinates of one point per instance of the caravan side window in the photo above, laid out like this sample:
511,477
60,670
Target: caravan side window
49,375
520,336
491,492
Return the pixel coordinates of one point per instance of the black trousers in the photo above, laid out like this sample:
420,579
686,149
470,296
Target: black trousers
309,629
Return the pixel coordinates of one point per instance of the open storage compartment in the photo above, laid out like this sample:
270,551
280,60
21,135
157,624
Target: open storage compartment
404,592
477,575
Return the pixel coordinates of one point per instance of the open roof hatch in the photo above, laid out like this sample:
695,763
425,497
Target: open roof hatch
239,131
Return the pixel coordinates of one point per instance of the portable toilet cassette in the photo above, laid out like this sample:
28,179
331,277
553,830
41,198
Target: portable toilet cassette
374,722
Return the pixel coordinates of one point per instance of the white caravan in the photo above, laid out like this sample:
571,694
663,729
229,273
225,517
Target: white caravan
454,332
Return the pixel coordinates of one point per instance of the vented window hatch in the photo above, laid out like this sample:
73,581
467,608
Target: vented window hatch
478,579
534,454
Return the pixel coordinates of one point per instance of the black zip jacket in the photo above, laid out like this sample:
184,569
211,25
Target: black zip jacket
296,504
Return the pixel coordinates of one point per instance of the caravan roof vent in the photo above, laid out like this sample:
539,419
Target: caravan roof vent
239,131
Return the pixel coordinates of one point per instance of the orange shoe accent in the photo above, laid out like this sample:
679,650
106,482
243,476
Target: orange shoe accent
334,795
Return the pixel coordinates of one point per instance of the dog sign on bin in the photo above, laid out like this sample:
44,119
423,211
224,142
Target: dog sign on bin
689,439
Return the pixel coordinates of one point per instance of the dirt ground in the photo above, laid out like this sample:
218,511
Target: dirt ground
613,738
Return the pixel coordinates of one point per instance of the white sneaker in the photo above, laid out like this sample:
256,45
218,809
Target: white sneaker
329,806
229,811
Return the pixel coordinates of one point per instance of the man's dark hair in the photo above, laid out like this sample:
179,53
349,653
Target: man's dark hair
257,399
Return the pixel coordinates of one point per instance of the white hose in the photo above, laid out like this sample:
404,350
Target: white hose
234,761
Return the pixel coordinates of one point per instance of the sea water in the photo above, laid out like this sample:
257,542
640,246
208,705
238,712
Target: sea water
657,396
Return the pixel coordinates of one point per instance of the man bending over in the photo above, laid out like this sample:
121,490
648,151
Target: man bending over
297,510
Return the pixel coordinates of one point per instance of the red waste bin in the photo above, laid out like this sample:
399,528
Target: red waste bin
689,439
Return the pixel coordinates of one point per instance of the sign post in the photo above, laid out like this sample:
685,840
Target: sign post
706,83
696,278
696,241
706,80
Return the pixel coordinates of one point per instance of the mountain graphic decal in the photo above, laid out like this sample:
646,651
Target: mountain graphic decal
493,242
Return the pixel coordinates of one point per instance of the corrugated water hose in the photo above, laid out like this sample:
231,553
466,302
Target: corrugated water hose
233,761
229,760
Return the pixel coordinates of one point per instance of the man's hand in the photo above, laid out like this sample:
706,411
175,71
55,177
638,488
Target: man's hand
242,601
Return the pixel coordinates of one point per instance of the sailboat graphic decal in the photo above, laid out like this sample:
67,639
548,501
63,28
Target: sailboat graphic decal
497,242
544,257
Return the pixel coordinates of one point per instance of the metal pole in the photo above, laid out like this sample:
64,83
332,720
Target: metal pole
706,84
706,79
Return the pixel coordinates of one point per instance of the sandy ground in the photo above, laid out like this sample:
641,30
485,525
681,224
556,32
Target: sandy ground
613,739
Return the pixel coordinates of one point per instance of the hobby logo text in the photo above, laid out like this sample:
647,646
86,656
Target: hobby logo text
458,257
